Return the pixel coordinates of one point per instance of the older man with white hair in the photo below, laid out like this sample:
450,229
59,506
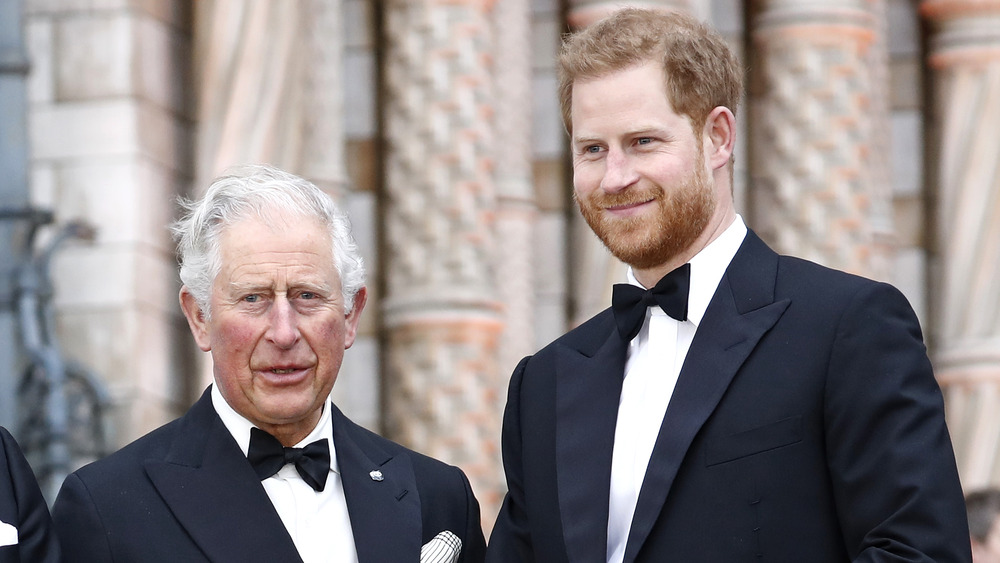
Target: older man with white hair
264,467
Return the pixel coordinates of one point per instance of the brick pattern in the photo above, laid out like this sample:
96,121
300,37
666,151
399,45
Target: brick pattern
441,307
440,193
813,181
442,396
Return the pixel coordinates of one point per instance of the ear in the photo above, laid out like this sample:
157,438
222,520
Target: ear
720,137
196,319
354,317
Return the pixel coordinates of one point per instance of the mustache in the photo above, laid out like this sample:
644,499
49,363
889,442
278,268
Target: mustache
629,196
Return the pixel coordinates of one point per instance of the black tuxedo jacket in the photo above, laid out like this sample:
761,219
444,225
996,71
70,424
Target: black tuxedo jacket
22,506
185,492
806,426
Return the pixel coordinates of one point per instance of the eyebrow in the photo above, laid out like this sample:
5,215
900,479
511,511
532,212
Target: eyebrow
251,287
578,142
643,131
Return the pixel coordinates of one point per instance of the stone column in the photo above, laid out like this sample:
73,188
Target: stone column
593,270
110,125
442,313
517,211
965,63
817,192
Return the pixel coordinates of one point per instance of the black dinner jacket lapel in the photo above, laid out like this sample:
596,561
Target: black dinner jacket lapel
742,310
589,369
213,492
384,510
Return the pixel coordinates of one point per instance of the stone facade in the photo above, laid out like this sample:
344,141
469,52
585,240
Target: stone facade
111,126
964,61
435,124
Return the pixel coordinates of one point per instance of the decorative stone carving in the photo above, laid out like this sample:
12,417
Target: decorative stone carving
965,63
814,192
441,308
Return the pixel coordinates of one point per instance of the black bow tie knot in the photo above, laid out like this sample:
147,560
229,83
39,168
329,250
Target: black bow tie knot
268,456
629,303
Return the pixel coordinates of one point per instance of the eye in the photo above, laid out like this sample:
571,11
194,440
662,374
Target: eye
592,149
644,140
252,298
307,295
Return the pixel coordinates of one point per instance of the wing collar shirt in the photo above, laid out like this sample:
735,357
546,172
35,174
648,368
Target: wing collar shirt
655,357
317,521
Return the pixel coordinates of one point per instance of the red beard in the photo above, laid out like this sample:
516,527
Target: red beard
643,242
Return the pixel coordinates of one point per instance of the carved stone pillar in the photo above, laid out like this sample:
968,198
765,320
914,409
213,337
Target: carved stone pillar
442,313
965,63
817,192
517,211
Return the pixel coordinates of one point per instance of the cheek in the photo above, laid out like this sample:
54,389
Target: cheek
236,338
586,177
327,337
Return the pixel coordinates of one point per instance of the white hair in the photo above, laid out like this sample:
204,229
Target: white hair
261,192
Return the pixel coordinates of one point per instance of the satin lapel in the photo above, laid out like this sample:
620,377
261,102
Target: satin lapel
588,388
215,495
385,514
734,323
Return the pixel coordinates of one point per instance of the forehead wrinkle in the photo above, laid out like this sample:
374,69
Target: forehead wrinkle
254,274
273,260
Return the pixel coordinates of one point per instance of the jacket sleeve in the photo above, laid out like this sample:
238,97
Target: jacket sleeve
474,544
79,525
890,456
510,540
36,539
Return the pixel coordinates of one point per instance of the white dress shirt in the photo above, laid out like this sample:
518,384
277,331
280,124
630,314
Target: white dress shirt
318,521
655,357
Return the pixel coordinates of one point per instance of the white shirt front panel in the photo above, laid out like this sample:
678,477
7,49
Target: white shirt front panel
317,521
655,357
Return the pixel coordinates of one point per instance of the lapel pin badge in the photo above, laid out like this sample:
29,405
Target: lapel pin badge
376,475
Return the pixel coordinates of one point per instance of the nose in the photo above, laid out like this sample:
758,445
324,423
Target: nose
283,329
619,172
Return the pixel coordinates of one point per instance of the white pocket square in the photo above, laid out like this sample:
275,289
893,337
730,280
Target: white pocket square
444,548
8,534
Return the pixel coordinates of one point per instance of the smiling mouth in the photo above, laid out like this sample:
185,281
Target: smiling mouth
626,206
283,371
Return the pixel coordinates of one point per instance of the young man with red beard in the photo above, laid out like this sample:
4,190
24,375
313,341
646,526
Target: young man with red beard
747,407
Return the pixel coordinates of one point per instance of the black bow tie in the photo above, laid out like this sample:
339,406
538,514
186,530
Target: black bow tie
268,456
629,302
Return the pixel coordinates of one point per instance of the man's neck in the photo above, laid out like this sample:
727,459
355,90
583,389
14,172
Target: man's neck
649,276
